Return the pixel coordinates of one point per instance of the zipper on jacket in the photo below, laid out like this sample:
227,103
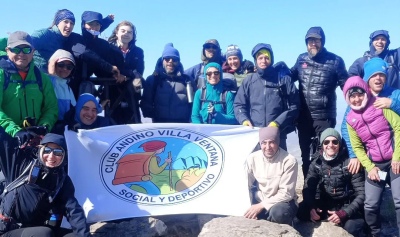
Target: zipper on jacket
308,86
20,109
33,108
26,103
377,143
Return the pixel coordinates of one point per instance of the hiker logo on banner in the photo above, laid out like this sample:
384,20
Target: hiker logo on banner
161,166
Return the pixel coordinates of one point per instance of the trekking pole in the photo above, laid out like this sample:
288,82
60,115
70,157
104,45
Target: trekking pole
170,171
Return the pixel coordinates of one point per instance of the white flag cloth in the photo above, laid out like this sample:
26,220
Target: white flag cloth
160,169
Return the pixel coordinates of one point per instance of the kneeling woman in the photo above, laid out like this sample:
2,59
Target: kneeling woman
38,187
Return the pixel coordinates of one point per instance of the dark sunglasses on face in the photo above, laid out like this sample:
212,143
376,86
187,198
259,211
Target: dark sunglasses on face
67,66
25,50
167,59
216,73
334,142
56,151
210,46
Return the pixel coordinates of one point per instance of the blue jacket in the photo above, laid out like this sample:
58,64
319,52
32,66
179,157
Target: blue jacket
64,95
165,97
213,93
388,92
265,97
46,42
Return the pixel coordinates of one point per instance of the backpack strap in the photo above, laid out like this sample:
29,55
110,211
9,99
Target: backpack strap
38,76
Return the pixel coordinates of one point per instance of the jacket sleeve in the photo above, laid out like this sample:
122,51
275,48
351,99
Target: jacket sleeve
95,61
287,185
140,61
294,71
73,211
191,72
357,205
288,117
394,121
49,111
227,117
146,104
105,23
395,105
359,150
241,102
345,134
5,121
341,73
357,68
310,185
196,116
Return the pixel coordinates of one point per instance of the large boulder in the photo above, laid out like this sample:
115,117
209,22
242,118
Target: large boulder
240,226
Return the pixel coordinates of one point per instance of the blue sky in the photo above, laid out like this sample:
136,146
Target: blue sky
188,24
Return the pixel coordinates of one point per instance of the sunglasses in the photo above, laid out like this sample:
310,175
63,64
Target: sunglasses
334,142
66,66
56,151
167,59
25,50
210,46
216,73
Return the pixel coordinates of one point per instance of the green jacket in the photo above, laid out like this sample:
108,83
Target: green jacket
18,102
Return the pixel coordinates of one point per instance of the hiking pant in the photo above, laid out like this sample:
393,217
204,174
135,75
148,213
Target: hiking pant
281,213
309,131
38,231
373,197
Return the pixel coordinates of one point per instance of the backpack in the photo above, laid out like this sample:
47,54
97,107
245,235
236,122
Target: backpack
8,69
229,84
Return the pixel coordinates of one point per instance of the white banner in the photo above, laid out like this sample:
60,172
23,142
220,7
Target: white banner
160,169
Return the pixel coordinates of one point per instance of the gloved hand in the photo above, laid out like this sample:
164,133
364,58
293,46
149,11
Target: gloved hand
23,137
137,84
38,130
247,123
74,127
211,108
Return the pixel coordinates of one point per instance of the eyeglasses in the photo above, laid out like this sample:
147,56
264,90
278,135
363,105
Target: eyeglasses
167,59
334,142
216,73
56,151
63,65
210,46
25,50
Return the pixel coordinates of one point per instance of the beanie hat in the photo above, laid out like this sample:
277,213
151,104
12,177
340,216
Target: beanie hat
64,14
384,33
233,50
269,133
330,132
62,55
316,32
263,51
170,51
374,66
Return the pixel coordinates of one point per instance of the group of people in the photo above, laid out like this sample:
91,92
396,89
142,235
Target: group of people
48,85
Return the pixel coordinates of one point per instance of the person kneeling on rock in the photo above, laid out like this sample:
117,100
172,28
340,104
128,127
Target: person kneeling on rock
273,172
341,194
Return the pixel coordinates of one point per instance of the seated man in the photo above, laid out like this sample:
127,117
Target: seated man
275,173
27,100
341,194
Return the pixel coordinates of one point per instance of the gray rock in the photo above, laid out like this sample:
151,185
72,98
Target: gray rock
240,226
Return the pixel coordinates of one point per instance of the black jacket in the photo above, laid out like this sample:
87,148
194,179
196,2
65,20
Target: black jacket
29,204
339,189
165,97
267,96
318,78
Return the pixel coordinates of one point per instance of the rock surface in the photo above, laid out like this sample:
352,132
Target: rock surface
191,225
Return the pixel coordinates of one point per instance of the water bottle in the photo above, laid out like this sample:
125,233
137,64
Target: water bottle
189,91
